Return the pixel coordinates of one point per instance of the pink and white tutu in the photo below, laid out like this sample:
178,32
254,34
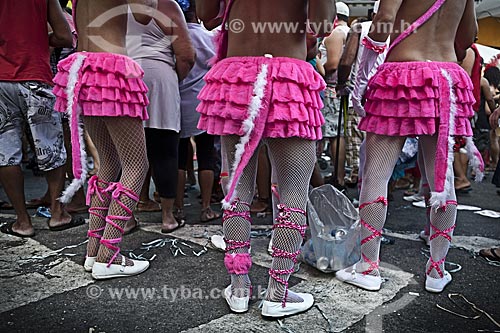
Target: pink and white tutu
406,99
110,85
425,98
291,104
99,85
260,97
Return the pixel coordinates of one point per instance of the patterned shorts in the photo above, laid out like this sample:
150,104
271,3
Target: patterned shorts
30,105
331,113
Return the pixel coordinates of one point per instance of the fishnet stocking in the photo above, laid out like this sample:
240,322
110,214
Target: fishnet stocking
382,153
443,219
108,172
424,187
292,162
123,147
238,228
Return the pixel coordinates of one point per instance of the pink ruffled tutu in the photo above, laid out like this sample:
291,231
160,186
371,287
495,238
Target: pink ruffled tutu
292,97
110,85
405,99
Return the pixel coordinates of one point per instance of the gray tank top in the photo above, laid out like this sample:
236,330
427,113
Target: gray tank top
148,42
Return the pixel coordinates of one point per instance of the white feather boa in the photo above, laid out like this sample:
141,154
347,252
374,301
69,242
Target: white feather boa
73,111
248,126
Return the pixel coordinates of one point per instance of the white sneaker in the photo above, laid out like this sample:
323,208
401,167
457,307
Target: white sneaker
276,309
89,263
218,242
367,282
100,271
424,237
434,285
236,304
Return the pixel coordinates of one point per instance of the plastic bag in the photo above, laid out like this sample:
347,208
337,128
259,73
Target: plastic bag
335,230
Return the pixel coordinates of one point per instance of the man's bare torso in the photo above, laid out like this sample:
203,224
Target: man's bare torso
101,25
284,43
435,39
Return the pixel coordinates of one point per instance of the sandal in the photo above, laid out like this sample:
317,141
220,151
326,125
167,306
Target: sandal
7,229
208,214
491,254
5,205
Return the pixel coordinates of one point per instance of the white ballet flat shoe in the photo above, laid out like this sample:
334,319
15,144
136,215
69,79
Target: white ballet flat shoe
367,282
424,237
434,285
89,263
236,304
276,310
100,271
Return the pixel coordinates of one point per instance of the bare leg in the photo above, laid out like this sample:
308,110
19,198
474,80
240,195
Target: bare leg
55,180
12,180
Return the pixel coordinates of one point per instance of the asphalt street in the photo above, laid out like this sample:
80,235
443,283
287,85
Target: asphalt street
46,291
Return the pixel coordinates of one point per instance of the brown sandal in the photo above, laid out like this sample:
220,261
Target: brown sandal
491,254
208,214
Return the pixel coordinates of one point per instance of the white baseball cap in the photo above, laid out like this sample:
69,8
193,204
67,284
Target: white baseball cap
342,9
375,6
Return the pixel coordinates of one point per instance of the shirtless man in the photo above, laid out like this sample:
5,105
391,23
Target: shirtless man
331,53
262,90
419,91
113,118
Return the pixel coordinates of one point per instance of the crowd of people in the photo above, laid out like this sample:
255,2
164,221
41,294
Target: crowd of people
138,90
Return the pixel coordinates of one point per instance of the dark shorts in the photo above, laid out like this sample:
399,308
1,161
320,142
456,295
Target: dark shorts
30,104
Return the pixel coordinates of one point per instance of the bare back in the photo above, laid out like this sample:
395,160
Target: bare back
102,25
435,40
283,24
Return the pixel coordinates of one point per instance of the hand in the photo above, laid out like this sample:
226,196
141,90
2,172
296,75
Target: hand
494,118
358,106
342,89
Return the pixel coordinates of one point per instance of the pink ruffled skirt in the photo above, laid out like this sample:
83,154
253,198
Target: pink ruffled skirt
292,97
110,85
405,99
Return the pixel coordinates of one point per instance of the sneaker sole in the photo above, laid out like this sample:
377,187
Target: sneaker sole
105,277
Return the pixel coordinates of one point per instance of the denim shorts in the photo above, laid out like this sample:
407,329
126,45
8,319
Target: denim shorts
29,106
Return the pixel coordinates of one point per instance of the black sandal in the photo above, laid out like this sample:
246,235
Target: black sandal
7,229
490,254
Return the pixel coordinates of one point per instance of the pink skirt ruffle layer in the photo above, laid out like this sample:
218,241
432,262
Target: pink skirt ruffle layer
111,86
294,106
403,99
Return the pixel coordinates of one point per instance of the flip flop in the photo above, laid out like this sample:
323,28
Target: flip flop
464,190
75,222
7,229
180,224
5,205
209,215
490,254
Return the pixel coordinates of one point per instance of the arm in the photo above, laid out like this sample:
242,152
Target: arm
212,24
385,17
320,13
467,30
488,96
319,67
349,56
334,44
182,46
61,33
207,10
